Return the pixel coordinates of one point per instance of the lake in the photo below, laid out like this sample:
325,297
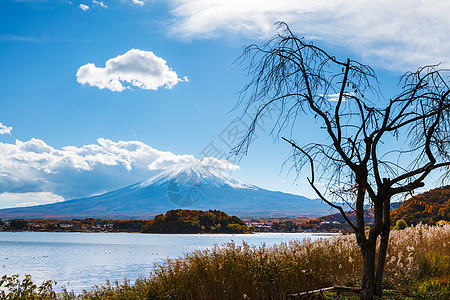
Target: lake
81,260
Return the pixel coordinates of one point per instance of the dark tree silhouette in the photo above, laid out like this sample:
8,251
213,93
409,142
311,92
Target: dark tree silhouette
373,150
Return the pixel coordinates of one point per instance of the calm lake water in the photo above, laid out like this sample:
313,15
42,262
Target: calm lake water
81,260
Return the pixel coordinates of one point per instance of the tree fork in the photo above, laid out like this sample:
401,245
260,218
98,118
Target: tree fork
304,79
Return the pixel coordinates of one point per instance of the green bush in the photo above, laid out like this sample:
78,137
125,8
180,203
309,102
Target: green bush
401,224
431,264
13,288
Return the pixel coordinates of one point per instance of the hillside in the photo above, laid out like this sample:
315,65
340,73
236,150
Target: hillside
195,221
428,208
369,215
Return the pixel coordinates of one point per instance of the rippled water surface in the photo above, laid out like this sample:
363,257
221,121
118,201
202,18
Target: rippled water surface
81,260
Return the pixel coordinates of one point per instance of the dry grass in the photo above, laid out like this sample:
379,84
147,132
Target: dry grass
417,253
418,257
230,271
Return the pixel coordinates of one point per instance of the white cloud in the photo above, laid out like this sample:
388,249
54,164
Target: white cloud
139,68
18,38
5,129
170,160
28,199
100,3
397,35
138,2
84,7
76,172
335,97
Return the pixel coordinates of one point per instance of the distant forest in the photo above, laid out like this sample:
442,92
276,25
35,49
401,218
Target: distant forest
196,221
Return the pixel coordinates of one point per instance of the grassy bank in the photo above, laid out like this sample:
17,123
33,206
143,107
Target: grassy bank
417,266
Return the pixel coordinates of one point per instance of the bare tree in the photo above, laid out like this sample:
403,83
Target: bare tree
373,151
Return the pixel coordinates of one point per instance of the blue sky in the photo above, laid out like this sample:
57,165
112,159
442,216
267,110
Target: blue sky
100,94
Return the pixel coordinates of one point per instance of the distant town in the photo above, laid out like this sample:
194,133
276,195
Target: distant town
116,225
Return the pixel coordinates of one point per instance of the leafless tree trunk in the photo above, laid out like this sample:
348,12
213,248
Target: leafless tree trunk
356,168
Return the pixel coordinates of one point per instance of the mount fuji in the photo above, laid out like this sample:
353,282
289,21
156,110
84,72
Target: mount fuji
200,188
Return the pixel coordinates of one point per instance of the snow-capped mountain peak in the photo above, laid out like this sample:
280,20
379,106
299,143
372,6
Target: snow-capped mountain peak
194,175
193,187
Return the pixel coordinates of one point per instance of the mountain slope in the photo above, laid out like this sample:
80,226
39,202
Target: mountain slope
198,188
368,215
428,208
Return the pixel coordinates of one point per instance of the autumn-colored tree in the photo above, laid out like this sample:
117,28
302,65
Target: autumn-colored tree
426,208
194,221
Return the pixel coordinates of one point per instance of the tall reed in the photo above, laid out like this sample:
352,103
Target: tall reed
234,271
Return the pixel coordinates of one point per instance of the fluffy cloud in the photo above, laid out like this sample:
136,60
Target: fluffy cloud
170,160
5,129
27,199
398,35
139,68
75,172
84,7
